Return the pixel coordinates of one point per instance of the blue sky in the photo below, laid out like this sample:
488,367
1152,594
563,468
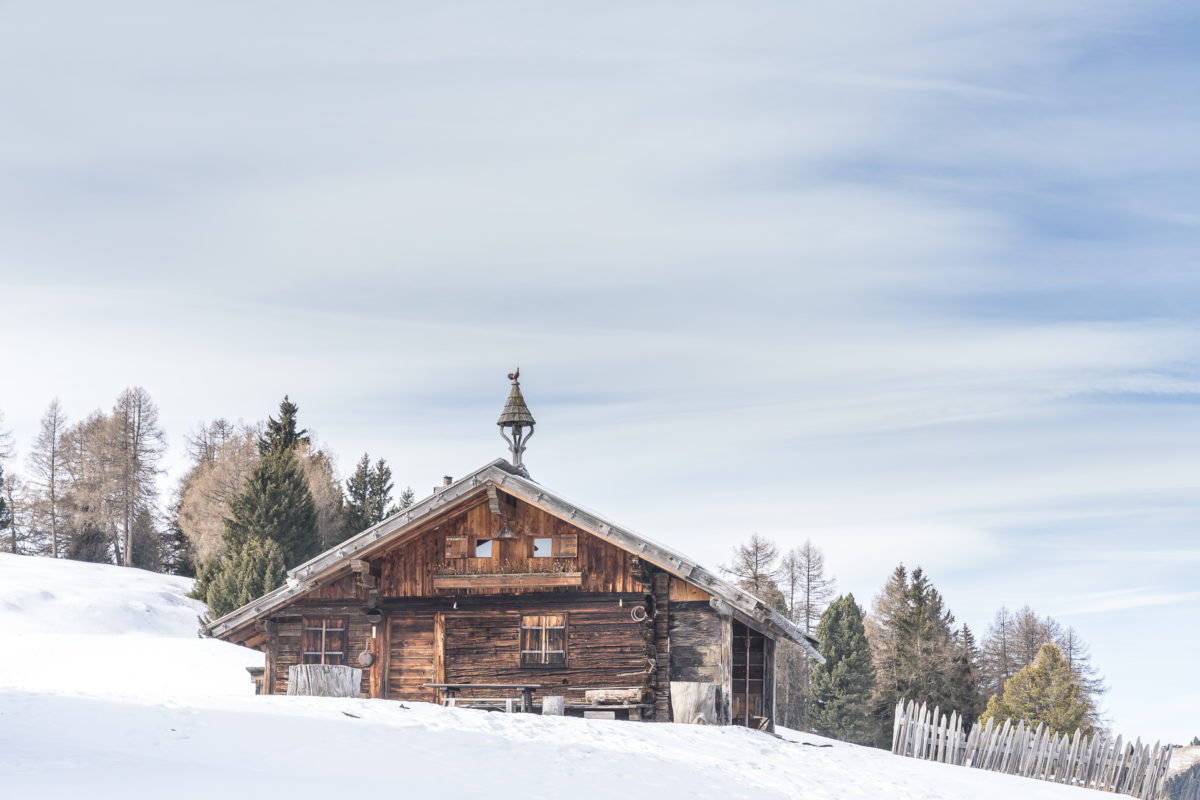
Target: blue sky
917,283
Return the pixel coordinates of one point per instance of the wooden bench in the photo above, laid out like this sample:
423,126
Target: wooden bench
450,698
486,703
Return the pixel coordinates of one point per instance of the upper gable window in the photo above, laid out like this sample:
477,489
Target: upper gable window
543,548
483,548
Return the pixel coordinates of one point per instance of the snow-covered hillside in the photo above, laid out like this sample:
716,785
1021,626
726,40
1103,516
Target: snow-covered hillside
106,692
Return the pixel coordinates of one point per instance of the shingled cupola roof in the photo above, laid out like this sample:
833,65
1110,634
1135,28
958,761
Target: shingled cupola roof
518,421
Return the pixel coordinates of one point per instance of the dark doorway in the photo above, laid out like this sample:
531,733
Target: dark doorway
749,676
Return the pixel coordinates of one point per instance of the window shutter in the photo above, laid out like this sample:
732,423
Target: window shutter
310,642
554,638
566,545
456,547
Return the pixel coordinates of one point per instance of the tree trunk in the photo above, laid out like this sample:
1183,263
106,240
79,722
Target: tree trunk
324,680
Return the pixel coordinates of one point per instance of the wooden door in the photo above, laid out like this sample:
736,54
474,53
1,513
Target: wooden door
411,657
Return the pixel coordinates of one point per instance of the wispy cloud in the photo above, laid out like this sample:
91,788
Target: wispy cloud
916,282
1123,600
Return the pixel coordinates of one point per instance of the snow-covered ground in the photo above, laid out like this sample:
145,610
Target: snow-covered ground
106,691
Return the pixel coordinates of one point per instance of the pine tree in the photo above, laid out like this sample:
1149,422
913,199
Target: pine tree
90,543
964,685
407,498
281,434
243,573
146,542
275,504
888,652
913,647
842,687
368,493
178,555
1015,640
1045,692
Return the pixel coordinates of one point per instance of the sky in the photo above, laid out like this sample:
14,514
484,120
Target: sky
915,282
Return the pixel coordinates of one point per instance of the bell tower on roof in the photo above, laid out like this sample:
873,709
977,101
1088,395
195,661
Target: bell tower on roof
516,423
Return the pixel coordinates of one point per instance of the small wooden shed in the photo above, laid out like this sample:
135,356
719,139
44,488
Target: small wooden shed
494,579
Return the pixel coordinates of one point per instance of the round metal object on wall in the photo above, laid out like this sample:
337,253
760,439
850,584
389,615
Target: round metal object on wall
365,659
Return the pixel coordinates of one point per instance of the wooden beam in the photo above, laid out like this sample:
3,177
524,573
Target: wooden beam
523,580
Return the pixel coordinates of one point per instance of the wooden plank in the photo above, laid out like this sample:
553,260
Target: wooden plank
897,721
525,580
439,648
684,592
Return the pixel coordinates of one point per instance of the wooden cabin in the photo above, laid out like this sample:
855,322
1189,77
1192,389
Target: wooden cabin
493,579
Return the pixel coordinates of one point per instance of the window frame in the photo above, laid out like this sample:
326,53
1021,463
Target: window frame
537,649
327,631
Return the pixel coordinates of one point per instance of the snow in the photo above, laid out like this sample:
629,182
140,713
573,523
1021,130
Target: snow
106,692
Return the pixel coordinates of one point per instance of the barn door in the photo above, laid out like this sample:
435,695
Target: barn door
412,657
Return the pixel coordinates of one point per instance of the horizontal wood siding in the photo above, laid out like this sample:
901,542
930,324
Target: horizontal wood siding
605,646
408,569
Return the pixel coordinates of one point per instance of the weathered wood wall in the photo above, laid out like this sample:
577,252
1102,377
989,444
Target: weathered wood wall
428,640
700,649
435,634
409,569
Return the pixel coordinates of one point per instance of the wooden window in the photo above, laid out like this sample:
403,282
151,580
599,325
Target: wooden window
456,547
483,548
544,640
543,548
324,640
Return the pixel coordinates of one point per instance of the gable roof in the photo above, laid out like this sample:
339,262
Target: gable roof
500,473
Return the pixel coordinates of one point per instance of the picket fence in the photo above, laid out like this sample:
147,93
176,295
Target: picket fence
1096,762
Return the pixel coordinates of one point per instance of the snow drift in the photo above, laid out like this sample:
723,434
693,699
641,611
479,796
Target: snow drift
106,692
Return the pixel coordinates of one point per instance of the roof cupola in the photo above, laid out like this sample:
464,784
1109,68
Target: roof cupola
516,423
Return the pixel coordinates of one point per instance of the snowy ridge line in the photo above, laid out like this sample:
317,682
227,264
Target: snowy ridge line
1095,762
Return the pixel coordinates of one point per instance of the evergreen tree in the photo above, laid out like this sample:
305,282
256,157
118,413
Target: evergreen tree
90,543
842,687
1015,640
178,555
407,498
1045,692
275,504
928,628
243,573
281,434
914,649
964,685
368,493
145,540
